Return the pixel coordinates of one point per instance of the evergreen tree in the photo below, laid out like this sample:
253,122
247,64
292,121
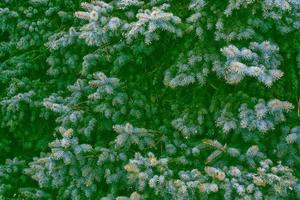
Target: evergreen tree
157,99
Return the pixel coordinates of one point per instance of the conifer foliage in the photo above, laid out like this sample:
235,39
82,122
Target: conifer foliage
157,99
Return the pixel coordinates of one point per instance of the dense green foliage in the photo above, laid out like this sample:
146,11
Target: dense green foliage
158,99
